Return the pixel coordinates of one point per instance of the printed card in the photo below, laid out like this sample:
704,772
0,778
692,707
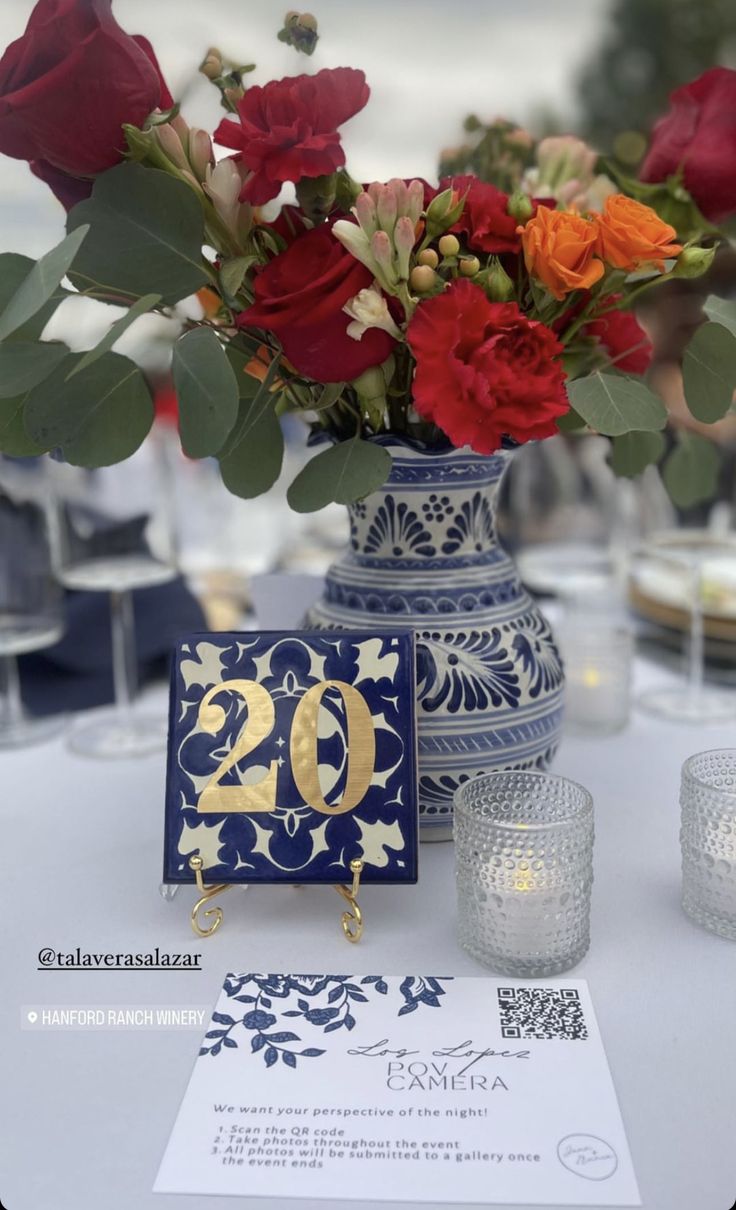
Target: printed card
402,1088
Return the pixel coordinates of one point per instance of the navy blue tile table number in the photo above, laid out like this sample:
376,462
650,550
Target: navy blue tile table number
292,755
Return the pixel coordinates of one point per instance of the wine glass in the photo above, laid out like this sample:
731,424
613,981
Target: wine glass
30,598
688,564
112,531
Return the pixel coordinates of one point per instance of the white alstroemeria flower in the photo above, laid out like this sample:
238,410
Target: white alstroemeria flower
369,309
358,244
594,197
223,184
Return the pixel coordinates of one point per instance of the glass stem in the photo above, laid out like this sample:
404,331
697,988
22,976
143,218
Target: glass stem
696,653
13,707
124,661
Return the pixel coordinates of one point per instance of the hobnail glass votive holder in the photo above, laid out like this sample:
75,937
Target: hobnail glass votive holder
524,869
708,840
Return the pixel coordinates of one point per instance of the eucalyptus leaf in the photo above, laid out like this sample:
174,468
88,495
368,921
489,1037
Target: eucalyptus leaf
613,404
116,330
24,363
721,311
99,417
709,372
147,232
252,461
233,271
330,394
14,269
345,472
251,458
13,437
632,452
690,472
570,422
207,391
43,279
241,360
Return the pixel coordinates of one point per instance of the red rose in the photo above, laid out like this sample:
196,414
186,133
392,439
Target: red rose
624,340
485,371
288,128
485,219
300,295
67,86
699,136
66,189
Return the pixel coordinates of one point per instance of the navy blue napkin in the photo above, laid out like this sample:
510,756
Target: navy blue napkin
76,673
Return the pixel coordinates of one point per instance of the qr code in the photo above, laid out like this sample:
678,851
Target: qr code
541,1013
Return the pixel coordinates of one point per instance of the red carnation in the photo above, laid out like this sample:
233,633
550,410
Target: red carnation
288,128
485,219
624,339
698,135
300,295
67,86
485,371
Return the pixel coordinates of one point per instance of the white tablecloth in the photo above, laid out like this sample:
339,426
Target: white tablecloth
86,1115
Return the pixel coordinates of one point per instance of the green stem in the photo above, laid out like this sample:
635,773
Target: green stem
625,303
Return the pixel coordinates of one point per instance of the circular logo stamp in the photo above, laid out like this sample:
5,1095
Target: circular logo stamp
588,1156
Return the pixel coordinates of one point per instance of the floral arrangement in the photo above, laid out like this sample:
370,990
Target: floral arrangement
463,313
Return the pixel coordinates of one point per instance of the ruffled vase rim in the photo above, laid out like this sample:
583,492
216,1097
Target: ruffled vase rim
414,446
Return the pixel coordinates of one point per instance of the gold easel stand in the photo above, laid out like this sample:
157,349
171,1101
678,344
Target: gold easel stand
351,919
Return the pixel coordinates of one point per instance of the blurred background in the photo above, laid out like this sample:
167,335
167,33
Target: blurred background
598,68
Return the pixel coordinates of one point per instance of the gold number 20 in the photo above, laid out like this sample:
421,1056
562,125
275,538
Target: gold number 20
261,796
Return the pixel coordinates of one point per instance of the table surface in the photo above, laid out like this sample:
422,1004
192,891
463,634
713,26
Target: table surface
86,1115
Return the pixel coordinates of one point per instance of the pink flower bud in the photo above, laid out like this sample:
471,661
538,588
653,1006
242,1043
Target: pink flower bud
387,209
563,158
365,212
171,145
383,255
200,152
415,201
404,239
401,193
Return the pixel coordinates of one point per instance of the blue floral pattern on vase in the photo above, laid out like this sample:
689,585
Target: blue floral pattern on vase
396,528
474,521
424,554
312,1004
535,648
462,671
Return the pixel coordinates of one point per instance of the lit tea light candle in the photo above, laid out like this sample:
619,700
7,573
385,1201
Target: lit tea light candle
523,845
598,675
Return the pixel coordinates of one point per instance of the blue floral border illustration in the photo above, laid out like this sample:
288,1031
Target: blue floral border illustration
324,1002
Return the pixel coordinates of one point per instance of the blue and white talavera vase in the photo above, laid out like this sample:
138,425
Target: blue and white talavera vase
424,554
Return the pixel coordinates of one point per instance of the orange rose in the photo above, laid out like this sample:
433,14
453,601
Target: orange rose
631,235
559,248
